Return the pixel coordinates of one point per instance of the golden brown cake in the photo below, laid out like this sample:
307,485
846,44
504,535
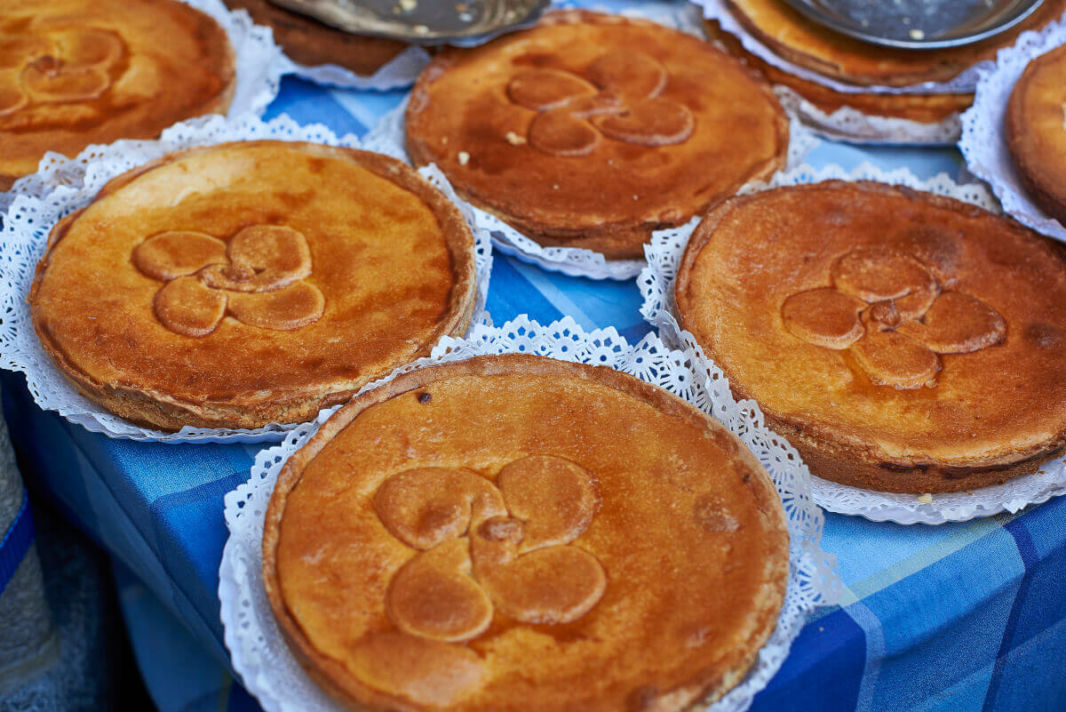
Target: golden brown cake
76,72
518,534
807,44
901,341
1036,131
249,283
593,130
922,108
310,42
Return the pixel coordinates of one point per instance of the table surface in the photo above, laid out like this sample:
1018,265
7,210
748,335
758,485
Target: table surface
953,617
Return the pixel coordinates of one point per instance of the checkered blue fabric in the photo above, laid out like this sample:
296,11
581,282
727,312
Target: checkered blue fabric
957,617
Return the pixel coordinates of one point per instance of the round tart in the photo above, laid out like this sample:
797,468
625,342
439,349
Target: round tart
593,130
1036,131
76,72
901,341
518,533
311,43
807,44
250,283
921,108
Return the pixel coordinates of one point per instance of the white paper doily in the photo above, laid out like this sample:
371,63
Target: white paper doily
257,64
571,261
30,219
656,283
854,126
400,71
984,143
258,651
963,82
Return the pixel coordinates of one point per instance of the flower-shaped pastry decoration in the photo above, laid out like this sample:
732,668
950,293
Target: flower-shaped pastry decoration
484,547
257,278
889,310
56,65
620,98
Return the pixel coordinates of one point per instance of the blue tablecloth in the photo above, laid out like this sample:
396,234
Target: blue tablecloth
955,617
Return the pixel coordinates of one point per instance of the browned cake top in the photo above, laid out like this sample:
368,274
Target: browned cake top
76,72
245,282
517,533
591,130
1036,131
806,43
886,326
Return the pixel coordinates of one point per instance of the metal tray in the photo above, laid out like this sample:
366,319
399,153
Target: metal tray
917,24
464,22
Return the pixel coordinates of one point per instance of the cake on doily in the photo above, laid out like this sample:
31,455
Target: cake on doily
311,43
251,283
593,130
1036,131
78,72
797,40
901,341
515,532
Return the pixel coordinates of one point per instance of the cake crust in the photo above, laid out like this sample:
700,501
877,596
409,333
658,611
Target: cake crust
917,341
1036,131
78,72
484,424
593,130
251,283
807,44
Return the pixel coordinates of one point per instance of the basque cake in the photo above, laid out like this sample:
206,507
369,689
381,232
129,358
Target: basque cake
1036,131
312,43
77,72
593,130
249,283
519,534
901,341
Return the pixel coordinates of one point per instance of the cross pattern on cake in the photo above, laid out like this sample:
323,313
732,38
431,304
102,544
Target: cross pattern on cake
487,546
257,278
889,310
56,66
620,99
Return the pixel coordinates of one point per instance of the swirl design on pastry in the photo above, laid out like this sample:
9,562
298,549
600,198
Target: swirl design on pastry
60,66
257,277
619,99
889,310
484,547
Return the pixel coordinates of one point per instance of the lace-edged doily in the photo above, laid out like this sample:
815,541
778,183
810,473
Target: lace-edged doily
259,653
400,71
984,143
29,221
571,261
854,126
966,81
257,61
656,283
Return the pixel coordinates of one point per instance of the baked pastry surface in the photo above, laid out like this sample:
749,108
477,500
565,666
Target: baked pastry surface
922,108
901,341
76,72
1036,131
592,130
249,283
806,43
310,42
517,533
